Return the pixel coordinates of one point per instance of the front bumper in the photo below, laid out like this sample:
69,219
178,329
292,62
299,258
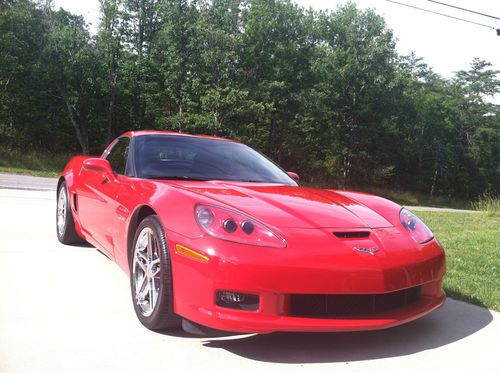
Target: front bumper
306,266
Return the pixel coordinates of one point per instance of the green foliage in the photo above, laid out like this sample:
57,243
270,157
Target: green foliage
322,93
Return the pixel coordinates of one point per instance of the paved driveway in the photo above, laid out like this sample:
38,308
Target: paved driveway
68,309
26,182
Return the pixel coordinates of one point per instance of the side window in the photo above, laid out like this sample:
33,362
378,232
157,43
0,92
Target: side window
118,156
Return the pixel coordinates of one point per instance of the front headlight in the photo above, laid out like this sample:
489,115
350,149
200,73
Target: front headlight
232,226
415,227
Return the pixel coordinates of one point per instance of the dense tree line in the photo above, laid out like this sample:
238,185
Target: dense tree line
322,93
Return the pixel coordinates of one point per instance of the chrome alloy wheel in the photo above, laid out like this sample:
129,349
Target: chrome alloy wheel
146,271
62,210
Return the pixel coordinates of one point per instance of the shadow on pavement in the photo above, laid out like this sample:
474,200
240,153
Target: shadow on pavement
82,244
456,320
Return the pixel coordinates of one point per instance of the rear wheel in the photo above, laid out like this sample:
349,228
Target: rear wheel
66,232
151,276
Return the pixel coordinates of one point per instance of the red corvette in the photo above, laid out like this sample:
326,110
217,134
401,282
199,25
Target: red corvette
214,233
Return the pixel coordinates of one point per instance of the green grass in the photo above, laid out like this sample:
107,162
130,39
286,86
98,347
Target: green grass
472,245
32,162
488,203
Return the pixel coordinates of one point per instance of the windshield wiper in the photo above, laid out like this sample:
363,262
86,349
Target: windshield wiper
187,178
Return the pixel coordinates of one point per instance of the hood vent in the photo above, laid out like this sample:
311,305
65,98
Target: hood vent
362,234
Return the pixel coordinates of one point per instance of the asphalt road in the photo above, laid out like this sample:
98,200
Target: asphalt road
68,309
26,182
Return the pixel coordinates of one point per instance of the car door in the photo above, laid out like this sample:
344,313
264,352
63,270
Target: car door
98,195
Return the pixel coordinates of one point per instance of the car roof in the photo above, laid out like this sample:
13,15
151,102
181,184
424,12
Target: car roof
171,133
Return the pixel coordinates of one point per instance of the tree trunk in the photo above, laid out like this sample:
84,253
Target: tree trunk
346,170
81,134
433,186
111,110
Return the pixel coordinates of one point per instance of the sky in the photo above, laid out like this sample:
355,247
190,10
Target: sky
447,45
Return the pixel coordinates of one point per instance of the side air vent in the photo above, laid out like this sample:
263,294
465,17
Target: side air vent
362,234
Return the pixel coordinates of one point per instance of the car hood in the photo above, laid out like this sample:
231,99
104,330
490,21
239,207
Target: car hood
289,206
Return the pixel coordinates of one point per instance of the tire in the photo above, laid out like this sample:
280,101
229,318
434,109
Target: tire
65,224
151,276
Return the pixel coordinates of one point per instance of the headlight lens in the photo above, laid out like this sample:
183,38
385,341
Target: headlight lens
415,227
232,226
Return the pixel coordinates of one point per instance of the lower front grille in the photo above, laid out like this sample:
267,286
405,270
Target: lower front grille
341,305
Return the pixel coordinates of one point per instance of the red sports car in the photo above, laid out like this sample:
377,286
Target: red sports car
213,233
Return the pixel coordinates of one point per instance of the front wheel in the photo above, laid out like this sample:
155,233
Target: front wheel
65,224
151,276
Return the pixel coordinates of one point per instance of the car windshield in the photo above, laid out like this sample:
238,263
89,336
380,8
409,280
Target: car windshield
195,158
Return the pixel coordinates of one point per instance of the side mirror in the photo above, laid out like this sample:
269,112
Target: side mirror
99,165
294,176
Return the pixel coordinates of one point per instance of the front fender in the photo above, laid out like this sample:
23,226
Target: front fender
70,175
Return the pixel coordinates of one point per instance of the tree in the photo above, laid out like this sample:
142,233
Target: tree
275,54
70,64
110,44
22,94
477,128
357,75
322,93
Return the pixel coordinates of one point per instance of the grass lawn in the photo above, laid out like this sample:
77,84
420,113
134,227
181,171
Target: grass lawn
31,162
472,245
24,171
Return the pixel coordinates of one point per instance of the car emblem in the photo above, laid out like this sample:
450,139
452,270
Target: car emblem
369,250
